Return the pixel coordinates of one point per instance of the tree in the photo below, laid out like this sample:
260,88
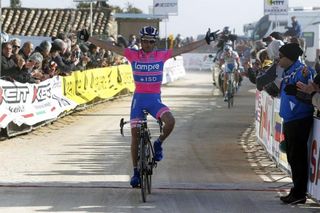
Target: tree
101,4
131,9
15,3
83,5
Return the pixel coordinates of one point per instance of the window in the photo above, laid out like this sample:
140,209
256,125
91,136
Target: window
309,37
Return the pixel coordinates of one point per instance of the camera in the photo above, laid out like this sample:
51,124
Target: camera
76,54
316,79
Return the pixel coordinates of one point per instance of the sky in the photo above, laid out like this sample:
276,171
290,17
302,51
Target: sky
194,16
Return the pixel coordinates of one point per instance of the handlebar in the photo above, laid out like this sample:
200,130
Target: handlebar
123,122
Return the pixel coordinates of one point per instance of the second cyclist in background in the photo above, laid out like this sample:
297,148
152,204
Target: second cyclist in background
231,61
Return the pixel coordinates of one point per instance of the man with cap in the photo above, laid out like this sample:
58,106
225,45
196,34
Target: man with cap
297,120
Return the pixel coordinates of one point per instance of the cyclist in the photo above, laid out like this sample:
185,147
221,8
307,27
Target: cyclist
147,66
231,62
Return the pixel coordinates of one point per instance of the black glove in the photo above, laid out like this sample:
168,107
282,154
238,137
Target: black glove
291,89
304,97
267,77
316,79
272,89
211,36
83,35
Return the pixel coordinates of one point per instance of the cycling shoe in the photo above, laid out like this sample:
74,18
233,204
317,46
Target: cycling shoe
135,181
158,154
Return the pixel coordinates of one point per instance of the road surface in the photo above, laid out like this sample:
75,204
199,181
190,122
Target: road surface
81,163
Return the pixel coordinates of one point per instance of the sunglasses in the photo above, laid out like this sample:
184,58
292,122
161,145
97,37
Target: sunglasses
148,41
15,46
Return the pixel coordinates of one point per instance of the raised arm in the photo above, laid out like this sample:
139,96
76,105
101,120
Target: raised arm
107,45
188,47
84,36
210,36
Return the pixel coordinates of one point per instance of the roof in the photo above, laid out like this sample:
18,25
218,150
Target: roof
47,22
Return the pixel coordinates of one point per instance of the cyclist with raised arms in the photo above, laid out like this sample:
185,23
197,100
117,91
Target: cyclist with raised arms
231,62
147,66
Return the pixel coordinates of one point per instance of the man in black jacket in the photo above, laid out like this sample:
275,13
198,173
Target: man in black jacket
10,70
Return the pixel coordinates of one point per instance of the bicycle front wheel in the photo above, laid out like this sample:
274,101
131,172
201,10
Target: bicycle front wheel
230,95
150,167
143,171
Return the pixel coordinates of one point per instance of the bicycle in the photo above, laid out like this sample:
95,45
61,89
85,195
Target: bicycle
146,154
231,87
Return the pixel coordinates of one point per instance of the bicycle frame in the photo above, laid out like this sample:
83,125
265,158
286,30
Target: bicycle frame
230,88
146,161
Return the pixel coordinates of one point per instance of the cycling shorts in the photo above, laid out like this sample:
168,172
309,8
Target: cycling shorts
146,101
229,68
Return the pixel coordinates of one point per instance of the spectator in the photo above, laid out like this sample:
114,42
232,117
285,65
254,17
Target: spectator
297,120
277,35
8,65
36,70
262,63
295,29
16,45
273,49
258,45
14,71
268,40
178,41
26,50
271,78
133,44
59,47
95,57
47,63
121,41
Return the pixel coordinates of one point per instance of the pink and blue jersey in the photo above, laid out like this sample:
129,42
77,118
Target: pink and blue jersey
147,69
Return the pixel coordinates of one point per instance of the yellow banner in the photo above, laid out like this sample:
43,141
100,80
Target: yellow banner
100,83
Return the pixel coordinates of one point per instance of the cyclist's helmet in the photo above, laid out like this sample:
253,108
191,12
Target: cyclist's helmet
226,30
227,48
149,32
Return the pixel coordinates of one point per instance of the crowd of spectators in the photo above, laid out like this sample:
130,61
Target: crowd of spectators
257,56
62,55
276,64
